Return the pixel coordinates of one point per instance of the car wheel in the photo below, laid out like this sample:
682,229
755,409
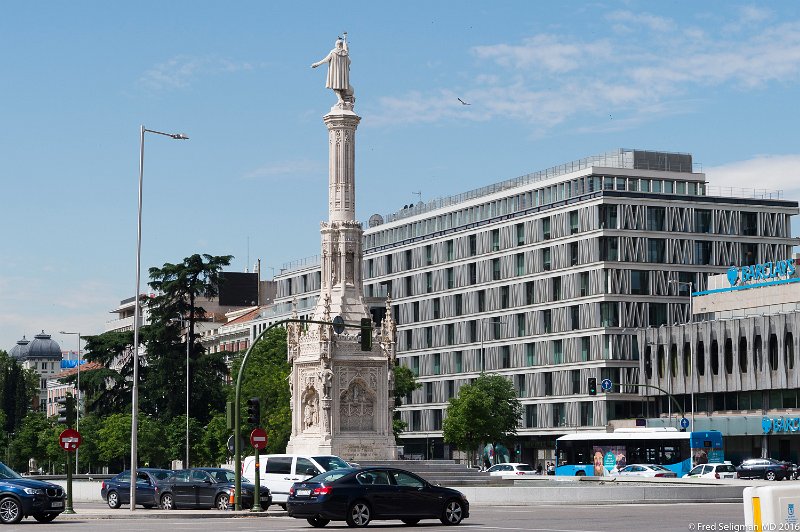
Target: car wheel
113,500
769,475
221,502
318,521
453,513
580,473
44,518
167,502
358,515
10,511
410,522
283,506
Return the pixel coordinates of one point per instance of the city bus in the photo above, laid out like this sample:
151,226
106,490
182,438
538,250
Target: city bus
603,453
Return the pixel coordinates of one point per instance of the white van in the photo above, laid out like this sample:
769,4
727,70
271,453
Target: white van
280,471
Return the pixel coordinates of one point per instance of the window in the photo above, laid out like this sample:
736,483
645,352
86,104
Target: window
416,425
415,311
505,356
529,293
548,383
520,234
280,465
608,248
428,336
530,416
608,216
530,354
639,282
655,249
520,324
520,264
428,392
415,366
558,351
609,313
370,268
437,419
585,348
409,339
459,304
495,269
450,250
584,276
504,297
451,278
546,259
451,334
495,239
437,308
473,245
556,288
437,363
749,223
520,382
655,218
451,389
573,254
429,282
587,413
749,254
559,415
472,271
657,314
546,228
458,362
573,222
473,331
408,259
702,221
409,286
575,317
481,300
388,264
702,252
428,255
575,374
547,322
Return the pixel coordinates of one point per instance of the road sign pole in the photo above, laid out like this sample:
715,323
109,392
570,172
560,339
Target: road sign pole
257,494
68,508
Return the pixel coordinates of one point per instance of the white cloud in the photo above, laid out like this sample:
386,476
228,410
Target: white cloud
765,173
548,79
179,71
285,169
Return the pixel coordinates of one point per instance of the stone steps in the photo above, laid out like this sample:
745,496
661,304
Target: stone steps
443,472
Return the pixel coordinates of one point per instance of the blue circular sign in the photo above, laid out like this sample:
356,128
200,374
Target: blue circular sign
684,423
606,385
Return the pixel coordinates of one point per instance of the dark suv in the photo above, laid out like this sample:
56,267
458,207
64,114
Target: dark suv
765,468
23,497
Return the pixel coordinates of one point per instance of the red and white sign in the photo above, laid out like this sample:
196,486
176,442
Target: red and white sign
70,440
258,438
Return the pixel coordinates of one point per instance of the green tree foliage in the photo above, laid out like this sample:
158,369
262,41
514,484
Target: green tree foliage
18,388
178,287
485,411
114,441
212,446
404,384
108,391
37,438
266,377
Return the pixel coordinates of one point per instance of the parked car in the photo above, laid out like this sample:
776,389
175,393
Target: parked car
280,471
117,491
792,470
205,487
713,471
511,469
765,468
24,497
358,495
646,470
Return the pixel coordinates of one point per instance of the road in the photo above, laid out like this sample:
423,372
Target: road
562,518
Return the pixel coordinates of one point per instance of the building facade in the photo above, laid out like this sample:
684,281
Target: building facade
546,279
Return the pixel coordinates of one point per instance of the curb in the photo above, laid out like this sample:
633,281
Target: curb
160,514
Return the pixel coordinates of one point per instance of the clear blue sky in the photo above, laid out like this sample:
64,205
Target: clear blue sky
547,82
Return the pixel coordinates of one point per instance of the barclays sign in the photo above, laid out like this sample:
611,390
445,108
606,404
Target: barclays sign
780,424
764,272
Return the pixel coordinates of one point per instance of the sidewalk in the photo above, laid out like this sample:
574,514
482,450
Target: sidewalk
96,511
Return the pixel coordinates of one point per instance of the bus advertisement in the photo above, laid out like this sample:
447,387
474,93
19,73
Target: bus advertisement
605,453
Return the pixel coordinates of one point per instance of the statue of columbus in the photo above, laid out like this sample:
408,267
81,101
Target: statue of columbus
338,71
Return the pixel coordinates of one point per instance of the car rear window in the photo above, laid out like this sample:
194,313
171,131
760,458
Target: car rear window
331,462
726,469
330,476
658,468
524,467
281,465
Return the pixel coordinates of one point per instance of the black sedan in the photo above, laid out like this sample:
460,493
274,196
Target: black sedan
117,490
765,468
358,495
205,487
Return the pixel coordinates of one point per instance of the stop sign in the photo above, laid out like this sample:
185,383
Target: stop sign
258,438
70,440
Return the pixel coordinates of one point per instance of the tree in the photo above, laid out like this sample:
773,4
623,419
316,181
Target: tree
485,411
178,287
105,390
18,387
114,443
266,377
404,384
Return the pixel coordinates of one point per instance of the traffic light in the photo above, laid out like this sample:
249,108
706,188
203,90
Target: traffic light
592,386
366,334
66,410
254,411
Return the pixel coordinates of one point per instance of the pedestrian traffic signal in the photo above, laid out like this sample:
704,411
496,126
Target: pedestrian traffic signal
592,386
366,334
254,411
66,410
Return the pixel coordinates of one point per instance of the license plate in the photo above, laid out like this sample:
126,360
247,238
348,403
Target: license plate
57,504
303,493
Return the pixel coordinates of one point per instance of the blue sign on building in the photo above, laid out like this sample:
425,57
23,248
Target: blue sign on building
780,424
766,271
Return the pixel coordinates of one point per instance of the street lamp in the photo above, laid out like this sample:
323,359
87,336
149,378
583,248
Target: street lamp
136,320
690,284
77,393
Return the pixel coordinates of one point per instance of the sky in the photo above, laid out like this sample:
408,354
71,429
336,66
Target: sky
546,83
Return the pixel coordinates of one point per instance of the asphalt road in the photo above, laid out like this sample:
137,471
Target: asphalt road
575,518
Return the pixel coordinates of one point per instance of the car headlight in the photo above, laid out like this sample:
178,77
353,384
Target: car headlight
33,491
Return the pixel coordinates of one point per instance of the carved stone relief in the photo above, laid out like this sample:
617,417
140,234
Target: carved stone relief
357,407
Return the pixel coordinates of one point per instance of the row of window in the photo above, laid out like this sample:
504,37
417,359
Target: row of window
734,358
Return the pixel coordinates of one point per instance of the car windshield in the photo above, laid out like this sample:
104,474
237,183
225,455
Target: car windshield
223,476
331,462
331,476
524,467
7,473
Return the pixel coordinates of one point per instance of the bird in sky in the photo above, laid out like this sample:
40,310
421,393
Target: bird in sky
463,102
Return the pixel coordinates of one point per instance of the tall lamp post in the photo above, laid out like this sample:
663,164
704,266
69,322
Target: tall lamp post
136,316
690,284
77,393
